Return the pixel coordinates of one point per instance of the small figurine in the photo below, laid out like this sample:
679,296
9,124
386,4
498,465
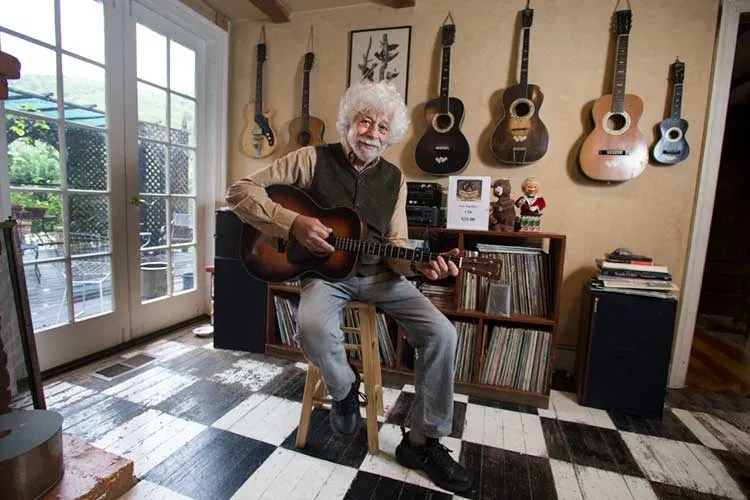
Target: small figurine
502,210
10,69
531,205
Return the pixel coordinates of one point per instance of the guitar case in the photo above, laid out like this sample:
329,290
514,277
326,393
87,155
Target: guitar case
31,453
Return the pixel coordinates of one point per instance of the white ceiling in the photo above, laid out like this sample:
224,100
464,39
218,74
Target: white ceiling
236,10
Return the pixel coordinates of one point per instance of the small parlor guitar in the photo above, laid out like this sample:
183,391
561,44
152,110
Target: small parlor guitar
274,259
616,150
672,146
258,138
443,149
306,130
521,137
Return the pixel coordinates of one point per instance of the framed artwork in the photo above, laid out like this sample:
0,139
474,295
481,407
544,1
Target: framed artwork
380,54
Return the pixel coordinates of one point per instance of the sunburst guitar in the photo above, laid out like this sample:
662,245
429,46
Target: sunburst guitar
616,150
521,137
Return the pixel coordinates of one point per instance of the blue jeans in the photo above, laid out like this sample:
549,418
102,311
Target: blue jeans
428,331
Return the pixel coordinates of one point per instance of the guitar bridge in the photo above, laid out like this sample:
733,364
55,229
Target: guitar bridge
613,152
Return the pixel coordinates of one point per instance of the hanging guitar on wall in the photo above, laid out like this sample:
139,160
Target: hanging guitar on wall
520,137
672,147
306,130
443,149
258,138
616,150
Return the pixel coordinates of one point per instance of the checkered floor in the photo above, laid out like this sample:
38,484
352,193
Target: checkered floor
211,424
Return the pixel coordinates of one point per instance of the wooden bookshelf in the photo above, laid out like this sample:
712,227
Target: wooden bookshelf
441,239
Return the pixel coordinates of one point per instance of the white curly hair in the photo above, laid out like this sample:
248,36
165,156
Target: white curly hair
381,97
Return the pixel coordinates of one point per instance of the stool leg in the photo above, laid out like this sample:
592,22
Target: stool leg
311,384
368,338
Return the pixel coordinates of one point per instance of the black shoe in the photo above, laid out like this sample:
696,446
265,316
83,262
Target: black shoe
435,460
344,416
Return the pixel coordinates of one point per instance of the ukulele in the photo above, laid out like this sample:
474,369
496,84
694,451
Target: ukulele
306,130
672,146
616,150
520,137
443,149
258,138
275,259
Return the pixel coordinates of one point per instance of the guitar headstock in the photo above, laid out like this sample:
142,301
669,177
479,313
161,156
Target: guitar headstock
261,53
482,266
678,71
449,34
623,22
309,60
527,16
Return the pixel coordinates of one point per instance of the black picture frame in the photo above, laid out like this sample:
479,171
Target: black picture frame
365,51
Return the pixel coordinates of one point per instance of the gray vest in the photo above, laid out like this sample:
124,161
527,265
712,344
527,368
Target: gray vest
372,193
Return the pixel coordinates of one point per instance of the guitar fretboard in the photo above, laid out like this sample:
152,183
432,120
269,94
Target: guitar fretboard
306,101
525,62
676,100
259,87
618,90
445,79
388,250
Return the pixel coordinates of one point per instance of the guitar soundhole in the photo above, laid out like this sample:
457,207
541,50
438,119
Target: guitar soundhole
674,134
522,109
616,122
443,122
303,138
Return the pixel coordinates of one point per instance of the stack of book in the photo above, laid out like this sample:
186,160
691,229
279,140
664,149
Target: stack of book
634,274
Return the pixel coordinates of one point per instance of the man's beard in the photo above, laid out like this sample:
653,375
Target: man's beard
366,155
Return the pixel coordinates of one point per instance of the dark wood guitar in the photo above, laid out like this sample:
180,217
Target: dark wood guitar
616,150
520,137
443,149
258,138
672,147
306,130
274,259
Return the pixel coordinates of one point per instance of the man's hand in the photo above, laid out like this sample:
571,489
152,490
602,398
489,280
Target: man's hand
312,234
438,268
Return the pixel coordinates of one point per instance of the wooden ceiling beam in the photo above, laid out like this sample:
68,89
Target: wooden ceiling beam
400,4
273,9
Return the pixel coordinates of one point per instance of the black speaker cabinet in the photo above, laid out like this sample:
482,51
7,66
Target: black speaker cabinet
239,299
623,352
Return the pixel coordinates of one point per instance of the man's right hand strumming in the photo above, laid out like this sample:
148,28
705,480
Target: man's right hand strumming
312,234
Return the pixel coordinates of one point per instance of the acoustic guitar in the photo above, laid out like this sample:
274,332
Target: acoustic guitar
616,150
258,138
520,137
443,149
306,130
672,147
274,259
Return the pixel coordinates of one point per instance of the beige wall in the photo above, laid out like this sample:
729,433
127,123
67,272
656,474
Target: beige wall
571,54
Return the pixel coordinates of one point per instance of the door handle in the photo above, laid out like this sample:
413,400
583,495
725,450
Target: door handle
139,201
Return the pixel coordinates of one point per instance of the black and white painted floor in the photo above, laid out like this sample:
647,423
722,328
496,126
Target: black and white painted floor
212,424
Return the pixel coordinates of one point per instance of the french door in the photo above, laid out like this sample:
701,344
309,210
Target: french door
104,150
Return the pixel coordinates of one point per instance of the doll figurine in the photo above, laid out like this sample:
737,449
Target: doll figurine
531,205
502,210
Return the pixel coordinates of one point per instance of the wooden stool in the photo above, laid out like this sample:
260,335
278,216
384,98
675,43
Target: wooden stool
371,376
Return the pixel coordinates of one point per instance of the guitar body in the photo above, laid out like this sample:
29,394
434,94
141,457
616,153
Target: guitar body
443,149
672,147
615,150
520,137
273,259
258,138
313,136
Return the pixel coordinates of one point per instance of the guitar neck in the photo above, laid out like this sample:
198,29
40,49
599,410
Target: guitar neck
388,250
525,62
306,101
621,63
445,79
259,89
676,100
